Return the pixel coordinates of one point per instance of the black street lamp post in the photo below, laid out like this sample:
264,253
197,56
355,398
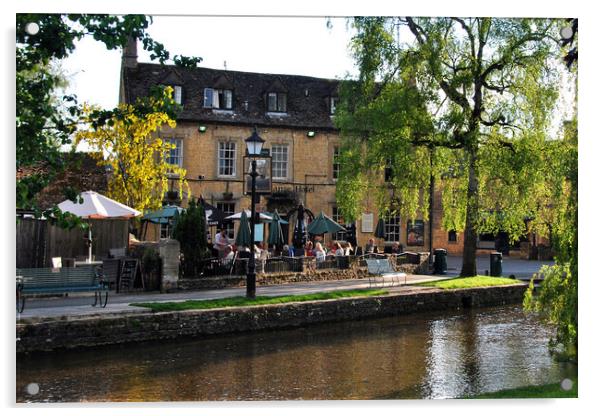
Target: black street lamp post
254,145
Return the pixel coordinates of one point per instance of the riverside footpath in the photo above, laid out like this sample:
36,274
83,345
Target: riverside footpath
76,305
79,305
522,269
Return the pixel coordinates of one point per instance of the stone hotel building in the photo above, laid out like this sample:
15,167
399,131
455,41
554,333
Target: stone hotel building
293,114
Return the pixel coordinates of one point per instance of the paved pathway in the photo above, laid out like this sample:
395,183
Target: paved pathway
517,267
80,305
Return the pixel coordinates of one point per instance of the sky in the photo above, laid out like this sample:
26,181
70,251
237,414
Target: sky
279,45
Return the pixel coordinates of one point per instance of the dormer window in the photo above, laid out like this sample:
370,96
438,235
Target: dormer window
277,102
333,105
217,98
177,94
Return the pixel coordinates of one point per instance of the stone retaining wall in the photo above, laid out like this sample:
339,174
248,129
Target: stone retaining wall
312,275
116,329
220,282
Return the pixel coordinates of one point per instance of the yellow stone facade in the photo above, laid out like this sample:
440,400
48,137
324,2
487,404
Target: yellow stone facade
310,168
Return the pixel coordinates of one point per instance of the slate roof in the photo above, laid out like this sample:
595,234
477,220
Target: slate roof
307,97
81,172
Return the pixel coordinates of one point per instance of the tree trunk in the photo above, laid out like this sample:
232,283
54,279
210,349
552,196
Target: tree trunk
469,255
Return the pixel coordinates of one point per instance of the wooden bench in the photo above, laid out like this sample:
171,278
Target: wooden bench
381,269
48,281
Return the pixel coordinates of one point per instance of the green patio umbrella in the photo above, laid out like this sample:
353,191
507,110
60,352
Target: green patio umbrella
163,215
243,238
324,224
380,229
167,215
275,237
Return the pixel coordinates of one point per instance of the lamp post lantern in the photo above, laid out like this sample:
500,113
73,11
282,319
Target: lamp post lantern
254,145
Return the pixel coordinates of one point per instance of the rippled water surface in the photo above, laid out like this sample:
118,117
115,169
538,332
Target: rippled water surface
435,355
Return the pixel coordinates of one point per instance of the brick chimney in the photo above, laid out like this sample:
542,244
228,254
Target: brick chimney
129,58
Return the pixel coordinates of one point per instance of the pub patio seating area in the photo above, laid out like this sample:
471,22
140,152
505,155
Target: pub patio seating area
283,264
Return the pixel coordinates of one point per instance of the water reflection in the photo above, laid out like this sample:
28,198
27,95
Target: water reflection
415,356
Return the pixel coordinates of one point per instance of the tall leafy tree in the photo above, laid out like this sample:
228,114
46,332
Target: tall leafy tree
468,101
557,297
43,125
128,145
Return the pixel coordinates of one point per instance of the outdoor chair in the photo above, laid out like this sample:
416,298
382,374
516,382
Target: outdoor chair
110,269
227,265
381,270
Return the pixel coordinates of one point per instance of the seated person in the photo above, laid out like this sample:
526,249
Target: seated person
287,251
348,249
320,253
309,249
370,247
228,253
340,251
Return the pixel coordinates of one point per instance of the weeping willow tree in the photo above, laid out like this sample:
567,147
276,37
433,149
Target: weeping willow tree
469,101
557,298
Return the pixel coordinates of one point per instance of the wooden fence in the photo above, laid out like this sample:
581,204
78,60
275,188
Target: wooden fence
38,241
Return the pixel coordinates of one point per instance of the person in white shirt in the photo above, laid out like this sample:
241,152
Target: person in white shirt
221,242
229,254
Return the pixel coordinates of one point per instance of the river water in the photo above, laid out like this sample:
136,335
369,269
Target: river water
427,355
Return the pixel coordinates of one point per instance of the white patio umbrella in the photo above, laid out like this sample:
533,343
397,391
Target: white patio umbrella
236,216
97,206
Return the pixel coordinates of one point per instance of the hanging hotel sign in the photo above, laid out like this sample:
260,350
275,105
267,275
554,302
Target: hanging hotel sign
263,182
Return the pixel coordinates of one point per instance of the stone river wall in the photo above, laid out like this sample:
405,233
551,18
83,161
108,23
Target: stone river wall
135,327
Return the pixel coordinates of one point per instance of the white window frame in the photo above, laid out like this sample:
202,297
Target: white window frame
179,156
339,235
208,98
164,230
219,157
277,96
211,98
276,162
177,94
333,105
336,151
392,225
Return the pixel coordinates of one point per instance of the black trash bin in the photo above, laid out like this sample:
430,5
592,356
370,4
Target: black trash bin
495,263
440,261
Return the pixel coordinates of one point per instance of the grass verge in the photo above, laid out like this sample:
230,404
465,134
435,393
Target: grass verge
469,282
548,391
259,300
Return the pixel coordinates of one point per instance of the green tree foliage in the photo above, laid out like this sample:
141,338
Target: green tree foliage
43,125
191,231
471,98
556,299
